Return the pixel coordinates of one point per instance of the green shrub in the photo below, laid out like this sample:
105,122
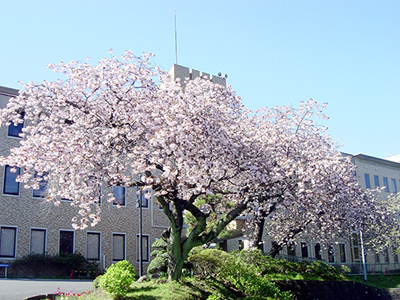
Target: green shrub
52,266
160,262
206,262
117,279
317,270
242,274
239,270
324,271
158,265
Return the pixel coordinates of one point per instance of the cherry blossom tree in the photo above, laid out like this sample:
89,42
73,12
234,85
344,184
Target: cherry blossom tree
384,232
126,122
314,193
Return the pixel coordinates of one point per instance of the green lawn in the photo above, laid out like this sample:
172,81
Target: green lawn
193,288
189,288
380,281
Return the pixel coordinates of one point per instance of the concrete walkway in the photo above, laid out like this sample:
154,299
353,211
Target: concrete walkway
20,289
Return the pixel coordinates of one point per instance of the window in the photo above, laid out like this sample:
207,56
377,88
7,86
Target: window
118,246
377,258
342,253
318,253
66,242
8,237
394,186
38,241
119,195
331,253
395,256
145,248
304,249
356,247
93,246
291,250
367,182
11,186
141,197
15,130
40,192
386,255
376,181
386,184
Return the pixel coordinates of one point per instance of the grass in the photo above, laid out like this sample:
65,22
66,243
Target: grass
189,288
193,288
380,281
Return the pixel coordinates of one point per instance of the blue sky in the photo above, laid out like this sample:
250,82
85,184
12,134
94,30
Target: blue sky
345,53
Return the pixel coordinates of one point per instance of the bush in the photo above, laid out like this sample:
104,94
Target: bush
117,279
317,270
243,274
52,266
160,263
206,262
239,270
324,271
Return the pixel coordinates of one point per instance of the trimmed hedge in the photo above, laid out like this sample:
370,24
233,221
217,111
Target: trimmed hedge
53,266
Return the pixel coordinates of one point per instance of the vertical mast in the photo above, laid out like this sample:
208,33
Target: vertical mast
176,41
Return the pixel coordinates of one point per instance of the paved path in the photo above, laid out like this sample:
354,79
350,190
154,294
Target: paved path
19,289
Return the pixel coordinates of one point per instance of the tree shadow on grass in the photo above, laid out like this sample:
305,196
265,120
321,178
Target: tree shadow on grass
142,297
140,290
211,286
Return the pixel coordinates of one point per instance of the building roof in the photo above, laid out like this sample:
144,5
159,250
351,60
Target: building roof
377,160
8,91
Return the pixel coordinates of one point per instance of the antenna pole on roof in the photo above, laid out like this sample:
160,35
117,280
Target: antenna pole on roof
176,41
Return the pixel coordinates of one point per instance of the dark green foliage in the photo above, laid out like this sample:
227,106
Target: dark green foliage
251,272
53,266
323,270
317,270
206,262
159,263
238,271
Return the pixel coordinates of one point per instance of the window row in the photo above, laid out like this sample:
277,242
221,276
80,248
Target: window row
333,256
385,181
11,187
305,250
8,244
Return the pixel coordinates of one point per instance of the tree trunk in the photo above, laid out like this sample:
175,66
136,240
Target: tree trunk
275,250
257,242
179,246
177,254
